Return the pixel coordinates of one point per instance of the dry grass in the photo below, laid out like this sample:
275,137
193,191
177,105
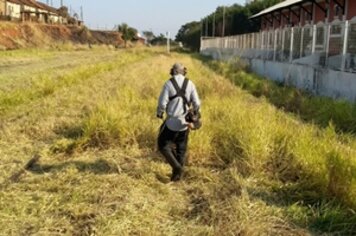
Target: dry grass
253,170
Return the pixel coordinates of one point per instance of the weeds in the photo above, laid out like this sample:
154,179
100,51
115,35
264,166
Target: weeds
318,110
253,169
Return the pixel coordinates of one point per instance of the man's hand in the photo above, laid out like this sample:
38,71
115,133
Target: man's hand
191,126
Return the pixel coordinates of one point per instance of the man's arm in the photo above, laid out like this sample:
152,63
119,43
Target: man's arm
163,101
194,98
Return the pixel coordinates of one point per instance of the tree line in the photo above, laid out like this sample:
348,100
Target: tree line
224,21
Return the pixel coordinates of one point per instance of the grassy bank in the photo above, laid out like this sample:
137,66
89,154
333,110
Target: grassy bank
318,110
253,169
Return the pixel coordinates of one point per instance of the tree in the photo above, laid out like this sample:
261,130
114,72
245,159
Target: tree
189,35
149,35
159,40
128,33
237,21
63,12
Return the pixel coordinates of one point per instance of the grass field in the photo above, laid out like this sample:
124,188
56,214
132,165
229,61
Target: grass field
89,116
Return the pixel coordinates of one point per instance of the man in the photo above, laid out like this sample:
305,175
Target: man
177,94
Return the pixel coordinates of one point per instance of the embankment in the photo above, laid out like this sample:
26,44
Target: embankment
24,35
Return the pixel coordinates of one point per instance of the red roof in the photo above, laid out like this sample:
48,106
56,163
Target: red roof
15,1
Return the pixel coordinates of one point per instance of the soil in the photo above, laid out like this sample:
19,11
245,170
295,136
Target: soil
23,35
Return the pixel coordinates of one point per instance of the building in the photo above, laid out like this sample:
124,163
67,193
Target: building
310,44
13,9
302,12
30,10
50,14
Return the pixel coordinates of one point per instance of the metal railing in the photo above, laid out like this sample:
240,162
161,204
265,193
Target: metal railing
330,45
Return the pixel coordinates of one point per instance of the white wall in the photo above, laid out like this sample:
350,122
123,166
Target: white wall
30,9
317,80
13,10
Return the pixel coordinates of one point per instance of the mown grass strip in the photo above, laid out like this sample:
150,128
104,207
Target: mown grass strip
46,85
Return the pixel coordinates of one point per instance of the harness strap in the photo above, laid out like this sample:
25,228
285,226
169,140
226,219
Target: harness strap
180,92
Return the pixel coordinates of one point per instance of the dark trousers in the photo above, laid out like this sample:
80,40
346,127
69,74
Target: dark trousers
173,146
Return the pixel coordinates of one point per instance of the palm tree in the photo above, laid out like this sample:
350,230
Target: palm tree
128,33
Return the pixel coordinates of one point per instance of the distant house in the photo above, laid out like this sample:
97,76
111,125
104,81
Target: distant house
30,10
138,38
51,14
13,9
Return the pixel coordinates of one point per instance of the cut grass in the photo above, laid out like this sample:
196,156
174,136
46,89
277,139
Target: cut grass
45,85
253,169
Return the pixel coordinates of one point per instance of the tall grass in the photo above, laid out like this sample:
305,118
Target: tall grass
319,110
239,130
253,169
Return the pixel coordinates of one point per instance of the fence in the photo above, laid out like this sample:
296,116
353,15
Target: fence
331,45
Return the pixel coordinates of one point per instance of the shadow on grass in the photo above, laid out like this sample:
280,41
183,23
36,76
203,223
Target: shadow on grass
99,167
307,209
314,109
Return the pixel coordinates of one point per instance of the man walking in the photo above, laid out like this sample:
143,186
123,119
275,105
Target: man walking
175,99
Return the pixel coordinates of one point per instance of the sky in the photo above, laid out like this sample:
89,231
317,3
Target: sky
159,16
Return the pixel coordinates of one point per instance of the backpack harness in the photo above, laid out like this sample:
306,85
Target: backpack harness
180,92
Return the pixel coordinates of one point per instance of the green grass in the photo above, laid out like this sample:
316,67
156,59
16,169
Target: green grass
253,169
318,110
45,84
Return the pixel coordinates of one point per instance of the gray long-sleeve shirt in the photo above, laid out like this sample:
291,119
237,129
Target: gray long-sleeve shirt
174,109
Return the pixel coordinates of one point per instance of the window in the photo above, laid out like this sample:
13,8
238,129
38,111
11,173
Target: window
337,12
336,30
307,16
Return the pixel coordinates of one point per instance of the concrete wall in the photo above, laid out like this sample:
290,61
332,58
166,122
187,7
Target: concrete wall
315,79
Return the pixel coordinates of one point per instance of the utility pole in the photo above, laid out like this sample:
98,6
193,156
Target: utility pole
223,27
206,27
214,24
168,43
81,13
61,3
202,28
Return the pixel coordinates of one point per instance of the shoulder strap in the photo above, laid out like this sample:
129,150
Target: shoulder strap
183,90
180,92
185,85
175,85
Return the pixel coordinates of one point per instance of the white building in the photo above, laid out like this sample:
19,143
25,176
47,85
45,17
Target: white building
13,9
30,10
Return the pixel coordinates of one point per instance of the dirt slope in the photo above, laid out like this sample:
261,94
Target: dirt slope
15,35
